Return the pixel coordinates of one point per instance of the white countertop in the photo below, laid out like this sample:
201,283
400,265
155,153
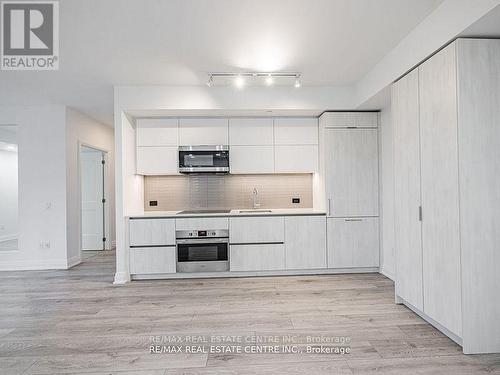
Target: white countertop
237,212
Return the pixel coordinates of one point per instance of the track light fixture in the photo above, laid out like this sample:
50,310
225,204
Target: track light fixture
269,78
297,81
210,81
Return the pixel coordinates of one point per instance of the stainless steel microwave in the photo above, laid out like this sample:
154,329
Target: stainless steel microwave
204,159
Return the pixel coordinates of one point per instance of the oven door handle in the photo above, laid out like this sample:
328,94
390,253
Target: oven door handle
201,241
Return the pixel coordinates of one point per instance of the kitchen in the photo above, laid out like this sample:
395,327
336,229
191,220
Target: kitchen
245,190
278,187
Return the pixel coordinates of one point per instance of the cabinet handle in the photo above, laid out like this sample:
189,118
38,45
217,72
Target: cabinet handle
329,205
353,219
419,213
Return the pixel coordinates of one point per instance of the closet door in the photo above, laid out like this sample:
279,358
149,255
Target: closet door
351,175
408,228
440,193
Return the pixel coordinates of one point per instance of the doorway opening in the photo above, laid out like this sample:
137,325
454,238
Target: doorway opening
93,202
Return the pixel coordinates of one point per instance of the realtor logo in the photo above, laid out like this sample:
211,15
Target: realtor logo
29,35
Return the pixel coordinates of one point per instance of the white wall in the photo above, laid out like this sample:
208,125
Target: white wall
129,190
8,195
42,187
82,130
386,161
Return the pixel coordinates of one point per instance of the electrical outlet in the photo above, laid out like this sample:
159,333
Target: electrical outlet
295,200
44,244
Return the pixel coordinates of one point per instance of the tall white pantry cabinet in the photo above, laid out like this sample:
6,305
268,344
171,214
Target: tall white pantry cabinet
349,168
446,115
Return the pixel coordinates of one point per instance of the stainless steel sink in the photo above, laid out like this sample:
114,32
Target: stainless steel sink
255,211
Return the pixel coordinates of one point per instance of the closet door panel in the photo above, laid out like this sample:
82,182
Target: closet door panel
408,228
440,192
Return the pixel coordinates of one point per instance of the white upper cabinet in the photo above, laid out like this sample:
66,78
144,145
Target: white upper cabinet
203,131
251,145
350,119
296,131
157,132
251,131
296,159
157,160
251,159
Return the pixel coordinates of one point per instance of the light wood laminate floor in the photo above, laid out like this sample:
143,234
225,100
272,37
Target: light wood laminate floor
77,322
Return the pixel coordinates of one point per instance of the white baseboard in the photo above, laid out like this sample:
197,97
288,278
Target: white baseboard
230,274
432,322
74,261
388,273
9,237
33,265
121,278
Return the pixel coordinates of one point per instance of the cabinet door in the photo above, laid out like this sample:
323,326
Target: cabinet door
440,193
203,131
350,119
305,242
407,226
353,242
157,132
351,172
251,159
296,159
250,131
296,131
152,260
151,232
265,257
258,229
157,160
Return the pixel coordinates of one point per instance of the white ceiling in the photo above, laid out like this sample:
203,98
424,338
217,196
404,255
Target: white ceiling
176,42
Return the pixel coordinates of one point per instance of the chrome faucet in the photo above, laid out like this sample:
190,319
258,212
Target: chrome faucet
256,199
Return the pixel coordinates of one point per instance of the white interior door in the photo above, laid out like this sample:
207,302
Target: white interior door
92,185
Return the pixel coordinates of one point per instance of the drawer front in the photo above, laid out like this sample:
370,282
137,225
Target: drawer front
259,229
202,223
152,260
265,257
152,232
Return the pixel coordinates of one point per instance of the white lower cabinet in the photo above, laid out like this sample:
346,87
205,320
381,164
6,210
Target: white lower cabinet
353,242
256,229
305,242
152,260
152,232
257,257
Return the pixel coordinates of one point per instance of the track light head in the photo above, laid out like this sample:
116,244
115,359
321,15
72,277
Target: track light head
210,81
297,81
239,81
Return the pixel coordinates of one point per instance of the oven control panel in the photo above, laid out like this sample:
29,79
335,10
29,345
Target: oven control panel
212,233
